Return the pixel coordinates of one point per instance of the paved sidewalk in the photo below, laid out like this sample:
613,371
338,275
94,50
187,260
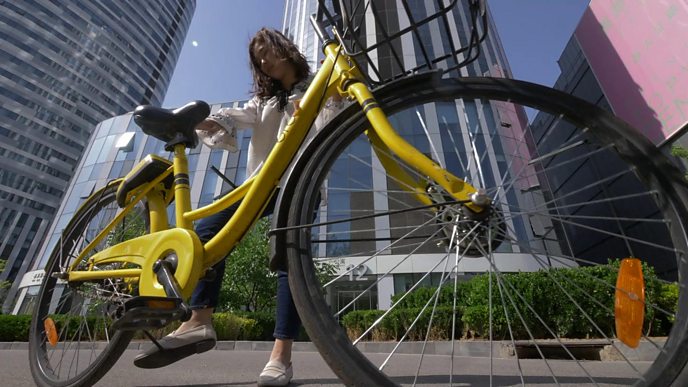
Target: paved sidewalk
210,369
238,364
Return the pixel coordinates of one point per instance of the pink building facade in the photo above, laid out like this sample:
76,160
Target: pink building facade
638,51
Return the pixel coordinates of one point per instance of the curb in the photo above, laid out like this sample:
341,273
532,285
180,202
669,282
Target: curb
298,346
616,351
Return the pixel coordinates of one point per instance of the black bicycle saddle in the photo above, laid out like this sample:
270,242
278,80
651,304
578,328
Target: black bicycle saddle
172,126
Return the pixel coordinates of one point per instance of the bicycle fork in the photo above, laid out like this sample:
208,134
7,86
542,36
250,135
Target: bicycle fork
386,141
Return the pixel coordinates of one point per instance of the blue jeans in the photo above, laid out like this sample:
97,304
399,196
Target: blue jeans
206,294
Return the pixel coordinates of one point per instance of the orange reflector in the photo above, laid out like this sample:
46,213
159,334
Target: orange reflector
629,302
161,304
50,331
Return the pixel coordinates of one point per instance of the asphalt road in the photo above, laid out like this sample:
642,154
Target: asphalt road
213,368
240,368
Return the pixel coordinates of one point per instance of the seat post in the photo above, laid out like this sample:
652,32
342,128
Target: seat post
182,189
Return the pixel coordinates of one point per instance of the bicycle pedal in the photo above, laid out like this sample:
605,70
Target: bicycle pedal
150,313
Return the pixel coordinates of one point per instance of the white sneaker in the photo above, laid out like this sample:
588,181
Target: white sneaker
275,374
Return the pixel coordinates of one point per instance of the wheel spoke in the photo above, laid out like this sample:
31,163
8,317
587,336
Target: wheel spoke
80,310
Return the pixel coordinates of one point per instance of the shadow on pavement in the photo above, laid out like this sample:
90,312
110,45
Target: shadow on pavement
497,380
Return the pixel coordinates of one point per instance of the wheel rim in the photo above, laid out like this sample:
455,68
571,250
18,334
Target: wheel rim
80,316
512,326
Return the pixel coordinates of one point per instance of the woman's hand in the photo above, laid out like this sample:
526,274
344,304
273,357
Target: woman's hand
209,126
218,131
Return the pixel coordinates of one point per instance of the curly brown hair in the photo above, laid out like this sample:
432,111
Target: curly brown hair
263,86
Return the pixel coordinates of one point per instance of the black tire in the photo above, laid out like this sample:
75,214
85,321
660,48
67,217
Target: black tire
665,198
82,314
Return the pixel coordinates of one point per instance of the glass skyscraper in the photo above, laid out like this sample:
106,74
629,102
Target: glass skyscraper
64,67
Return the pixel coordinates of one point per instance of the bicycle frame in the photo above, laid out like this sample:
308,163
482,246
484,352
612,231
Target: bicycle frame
338,75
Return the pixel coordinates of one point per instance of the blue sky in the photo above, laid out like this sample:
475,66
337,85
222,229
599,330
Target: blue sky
215,67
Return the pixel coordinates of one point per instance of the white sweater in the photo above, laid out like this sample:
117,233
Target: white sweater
266,120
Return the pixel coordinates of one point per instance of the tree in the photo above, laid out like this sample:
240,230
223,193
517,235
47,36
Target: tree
248,283
132,226
681,152
4,285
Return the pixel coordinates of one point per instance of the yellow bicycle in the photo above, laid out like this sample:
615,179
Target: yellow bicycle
431,179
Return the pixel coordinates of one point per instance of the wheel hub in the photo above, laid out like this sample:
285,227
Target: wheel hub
475,233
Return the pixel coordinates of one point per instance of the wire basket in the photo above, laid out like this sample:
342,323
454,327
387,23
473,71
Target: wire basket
390,39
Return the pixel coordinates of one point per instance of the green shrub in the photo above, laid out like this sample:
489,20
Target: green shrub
229,326
552,299
14,328
358,321
400,322
537,296
667,301
533,304
419,297
263,327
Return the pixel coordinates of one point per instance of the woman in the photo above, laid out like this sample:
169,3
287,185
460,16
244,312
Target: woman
280,76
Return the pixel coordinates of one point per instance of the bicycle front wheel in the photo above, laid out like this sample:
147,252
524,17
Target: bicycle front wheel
71,340
395,291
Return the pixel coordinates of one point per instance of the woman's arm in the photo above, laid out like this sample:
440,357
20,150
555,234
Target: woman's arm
219,129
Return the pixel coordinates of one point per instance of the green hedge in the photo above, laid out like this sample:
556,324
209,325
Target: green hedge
229,326
232,327
588,287
263,327
537,296
14,328
401,321
542,303
541,290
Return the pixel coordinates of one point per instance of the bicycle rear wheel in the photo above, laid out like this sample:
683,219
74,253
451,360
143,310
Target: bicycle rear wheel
71,342
524,295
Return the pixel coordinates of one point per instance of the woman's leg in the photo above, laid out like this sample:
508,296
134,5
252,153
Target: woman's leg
206,294
278,371
287,321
